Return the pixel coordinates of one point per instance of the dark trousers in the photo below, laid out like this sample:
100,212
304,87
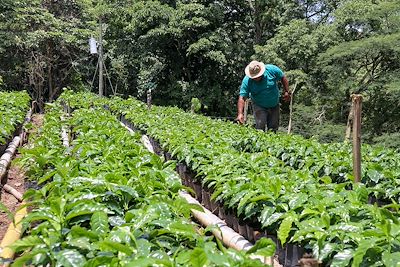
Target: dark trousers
266,117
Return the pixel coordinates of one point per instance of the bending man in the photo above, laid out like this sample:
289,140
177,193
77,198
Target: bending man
261,85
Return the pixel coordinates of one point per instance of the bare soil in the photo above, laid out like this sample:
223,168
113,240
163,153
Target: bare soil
15,178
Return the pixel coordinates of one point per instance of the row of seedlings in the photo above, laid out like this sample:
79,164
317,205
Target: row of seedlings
15,116
107,201
298,202
75,100
13,108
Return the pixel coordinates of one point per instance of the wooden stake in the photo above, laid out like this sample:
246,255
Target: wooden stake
149,99
291,109
357,103
246,107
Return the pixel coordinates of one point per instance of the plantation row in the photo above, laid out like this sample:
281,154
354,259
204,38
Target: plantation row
299,189
105,200
13,108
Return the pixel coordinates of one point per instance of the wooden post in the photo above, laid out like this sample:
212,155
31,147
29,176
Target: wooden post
246,107
291,110
149,98
357,102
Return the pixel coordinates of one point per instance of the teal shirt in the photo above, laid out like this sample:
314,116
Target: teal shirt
264,93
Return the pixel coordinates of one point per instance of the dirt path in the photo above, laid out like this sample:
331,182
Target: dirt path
16,179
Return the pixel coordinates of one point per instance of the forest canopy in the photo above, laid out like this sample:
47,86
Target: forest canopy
186,49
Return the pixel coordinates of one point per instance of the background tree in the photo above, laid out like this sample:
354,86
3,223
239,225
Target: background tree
44,43
185,49
366,61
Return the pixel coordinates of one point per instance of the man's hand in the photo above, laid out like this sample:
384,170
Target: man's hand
287,95
240,118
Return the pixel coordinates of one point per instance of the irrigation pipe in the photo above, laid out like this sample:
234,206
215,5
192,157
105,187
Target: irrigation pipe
223,232
145,140
5,159
13,191
14,229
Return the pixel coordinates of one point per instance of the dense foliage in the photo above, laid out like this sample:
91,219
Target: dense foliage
299,189
13,109
107,201
181,49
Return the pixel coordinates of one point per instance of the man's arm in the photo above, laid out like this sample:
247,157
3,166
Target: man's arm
285,84
240,108
286,92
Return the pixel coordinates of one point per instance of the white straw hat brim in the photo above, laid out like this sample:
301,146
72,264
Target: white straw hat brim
253,64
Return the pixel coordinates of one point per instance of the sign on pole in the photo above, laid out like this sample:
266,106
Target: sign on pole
93,46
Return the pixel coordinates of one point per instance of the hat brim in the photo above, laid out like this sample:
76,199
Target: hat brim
262,70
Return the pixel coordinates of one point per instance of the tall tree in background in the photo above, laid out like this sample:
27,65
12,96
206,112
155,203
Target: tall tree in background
184,49
181,50
46,43
367,61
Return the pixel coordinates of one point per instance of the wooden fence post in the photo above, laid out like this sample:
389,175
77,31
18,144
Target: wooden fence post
357,103
291,110
246,107
149,99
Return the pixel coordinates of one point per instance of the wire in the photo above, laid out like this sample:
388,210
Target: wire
108,77
94,76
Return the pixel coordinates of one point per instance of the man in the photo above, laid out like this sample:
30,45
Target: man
261,85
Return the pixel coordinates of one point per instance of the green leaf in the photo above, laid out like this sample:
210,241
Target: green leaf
198,258
268,216
391,259
264,247
69,258
308,211
298,200
342,258
128,190
143,262
78,231
99,223
81,243
214,255
234,201
361,250
99,261
107,245
285,227
326,250
183,229
26,243
86,208
27,257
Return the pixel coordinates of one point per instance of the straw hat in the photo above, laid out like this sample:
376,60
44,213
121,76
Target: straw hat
255,69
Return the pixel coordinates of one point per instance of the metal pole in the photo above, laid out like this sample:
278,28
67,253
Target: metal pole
357,103
101,81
